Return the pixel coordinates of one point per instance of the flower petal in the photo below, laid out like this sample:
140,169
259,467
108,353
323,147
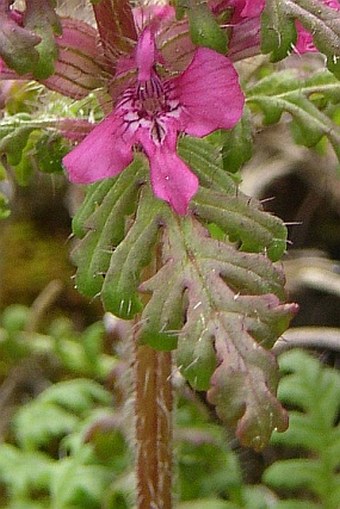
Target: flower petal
252,8
152,16
145,54
171,179
245,39
105,152
209,93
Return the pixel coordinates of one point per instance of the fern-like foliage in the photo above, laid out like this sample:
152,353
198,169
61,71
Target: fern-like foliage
80,353
64,447
314,391
80,477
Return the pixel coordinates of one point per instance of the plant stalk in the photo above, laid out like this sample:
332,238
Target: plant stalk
153,421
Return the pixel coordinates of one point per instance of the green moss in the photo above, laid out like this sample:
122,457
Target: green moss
29,261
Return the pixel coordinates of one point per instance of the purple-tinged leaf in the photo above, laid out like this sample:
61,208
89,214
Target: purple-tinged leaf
17,44
231,306
245,382
41,18
74,129
116,26
80,65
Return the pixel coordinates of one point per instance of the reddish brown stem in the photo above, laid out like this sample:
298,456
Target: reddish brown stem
153,413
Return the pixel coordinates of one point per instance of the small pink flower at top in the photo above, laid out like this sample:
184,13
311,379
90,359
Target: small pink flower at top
241,9
304,41
150,114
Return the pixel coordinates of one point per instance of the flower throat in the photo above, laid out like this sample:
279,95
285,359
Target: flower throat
151,97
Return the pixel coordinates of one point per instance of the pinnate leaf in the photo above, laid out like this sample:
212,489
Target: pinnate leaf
285,91
101,223
279,33
109,233
230,305
220,201
120,288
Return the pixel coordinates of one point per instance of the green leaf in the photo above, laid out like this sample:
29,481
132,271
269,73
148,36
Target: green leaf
103,218
207,504
294,473
296,504
203,449
17,45
120,287
54,412
78,486
208,297
23,471
27,146
110,256
278,32
27,504
204,29
13,140
324,24
15,318
220,201
49,151
237,144
76,395
285,91
42,20
36,424
26,166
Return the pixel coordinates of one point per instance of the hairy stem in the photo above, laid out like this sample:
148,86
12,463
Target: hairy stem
153,421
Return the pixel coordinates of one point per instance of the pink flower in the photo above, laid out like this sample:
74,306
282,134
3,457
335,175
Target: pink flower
241,9
304,41
243,24
150,114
